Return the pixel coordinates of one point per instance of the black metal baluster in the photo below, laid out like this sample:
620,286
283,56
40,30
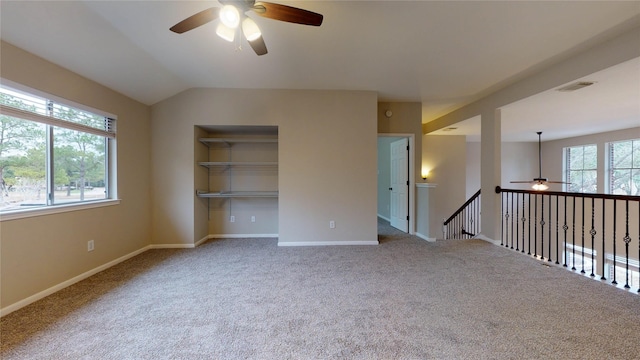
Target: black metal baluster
535,226
472,217
502,217
573,234
523,220
549,253
565,227
557,230
476,205
529,239
542,227
508,216
465,222
582,251
517,220
639,237
592,232
512,218
627,240
604,251
615,210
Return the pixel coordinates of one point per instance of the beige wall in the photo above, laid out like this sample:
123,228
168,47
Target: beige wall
406,119
519,161
40,252
326,150
446,157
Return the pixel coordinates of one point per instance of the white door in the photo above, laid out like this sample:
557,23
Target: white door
399,186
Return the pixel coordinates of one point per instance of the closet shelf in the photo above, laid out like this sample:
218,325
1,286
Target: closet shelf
228,142
211,164
236,194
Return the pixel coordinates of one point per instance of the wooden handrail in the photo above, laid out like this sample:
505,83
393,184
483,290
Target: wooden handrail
475,196
574,194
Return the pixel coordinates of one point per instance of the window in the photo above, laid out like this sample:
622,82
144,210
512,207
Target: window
51,152
624,167
581,169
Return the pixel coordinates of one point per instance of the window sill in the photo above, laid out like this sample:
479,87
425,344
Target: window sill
56,209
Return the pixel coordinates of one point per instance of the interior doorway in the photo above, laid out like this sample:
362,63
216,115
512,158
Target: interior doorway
396,184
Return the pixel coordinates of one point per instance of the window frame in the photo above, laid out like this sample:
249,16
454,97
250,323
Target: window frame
609,163
52,123
566,168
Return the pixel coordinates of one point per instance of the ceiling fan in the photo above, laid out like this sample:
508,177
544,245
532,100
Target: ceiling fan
539,183
233,17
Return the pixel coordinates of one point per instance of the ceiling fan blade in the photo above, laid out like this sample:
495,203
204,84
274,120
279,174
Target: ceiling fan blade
196,20
523,182
258,46
287,13
557,182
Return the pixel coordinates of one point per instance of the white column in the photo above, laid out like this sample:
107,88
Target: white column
490,175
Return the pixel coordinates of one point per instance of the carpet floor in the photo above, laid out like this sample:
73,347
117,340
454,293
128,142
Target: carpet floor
403,299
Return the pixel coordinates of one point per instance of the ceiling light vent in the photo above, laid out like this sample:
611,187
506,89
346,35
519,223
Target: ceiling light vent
576,86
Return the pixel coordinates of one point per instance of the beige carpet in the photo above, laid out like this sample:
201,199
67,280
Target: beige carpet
403,299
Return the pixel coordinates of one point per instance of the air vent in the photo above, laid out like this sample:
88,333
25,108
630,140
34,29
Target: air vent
576,86
449,129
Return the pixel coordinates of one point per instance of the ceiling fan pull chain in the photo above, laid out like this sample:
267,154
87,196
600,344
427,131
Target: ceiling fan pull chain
237,40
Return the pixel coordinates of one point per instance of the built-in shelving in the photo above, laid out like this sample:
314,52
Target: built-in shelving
229,142
211,164
236,194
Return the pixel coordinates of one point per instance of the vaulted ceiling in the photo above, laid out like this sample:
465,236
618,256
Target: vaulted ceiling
442,53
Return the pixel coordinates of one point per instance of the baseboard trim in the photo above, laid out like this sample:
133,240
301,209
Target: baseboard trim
201,241
241,236
42,294
327,243
171,246
424,237
482,237
384,218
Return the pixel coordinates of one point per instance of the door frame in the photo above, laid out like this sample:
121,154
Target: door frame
412,176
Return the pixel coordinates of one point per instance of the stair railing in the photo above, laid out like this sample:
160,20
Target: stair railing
595,234
465,222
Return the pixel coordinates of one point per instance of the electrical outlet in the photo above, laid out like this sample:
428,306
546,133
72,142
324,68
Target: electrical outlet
332,224
232,218
90,245
253,219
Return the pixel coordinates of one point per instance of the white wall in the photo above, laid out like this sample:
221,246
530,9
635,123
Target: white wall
326,170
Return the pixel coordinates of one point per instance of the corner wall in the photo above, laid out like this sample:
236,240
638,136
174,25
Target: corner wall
41,252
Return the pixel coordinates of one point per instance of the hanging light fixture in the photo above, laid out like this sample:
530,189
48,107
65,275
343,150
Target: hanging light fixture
230,16
250,29
540,186
225,32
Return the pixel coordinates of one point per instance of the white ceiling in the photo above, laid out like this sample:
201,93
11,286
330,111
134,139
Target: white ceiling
611,103
442,53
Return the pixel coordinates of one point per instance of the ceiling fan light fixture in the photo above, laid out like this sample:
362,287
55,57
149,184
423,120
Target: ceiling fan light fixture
540,186
250,29
230,16
225,32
